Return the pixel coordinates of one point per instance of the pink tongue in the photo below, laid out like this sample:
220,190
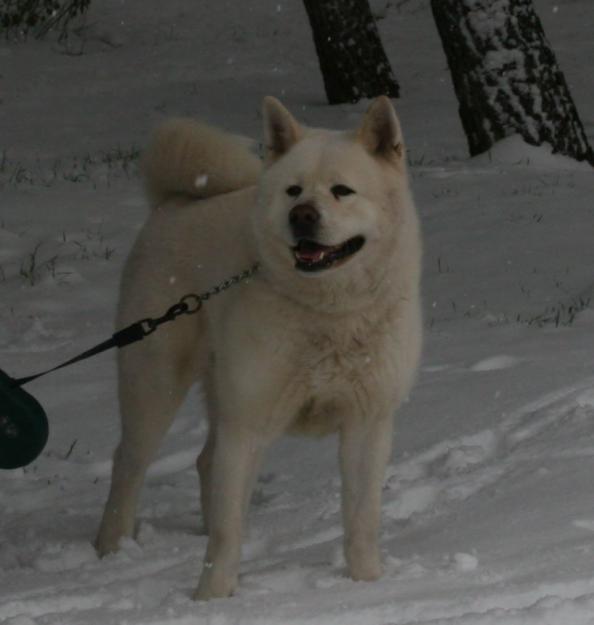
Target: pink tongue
311,256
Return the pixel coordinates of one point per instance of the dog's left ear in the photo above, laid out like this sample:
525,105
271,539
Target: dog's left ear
380,131
281,130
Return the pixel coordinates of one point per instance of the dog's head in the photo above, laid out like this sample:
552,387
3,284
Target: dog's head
330,202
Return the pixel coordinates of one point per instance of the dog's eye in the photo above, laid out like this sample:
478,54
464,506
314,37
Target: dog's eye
340,190
294,190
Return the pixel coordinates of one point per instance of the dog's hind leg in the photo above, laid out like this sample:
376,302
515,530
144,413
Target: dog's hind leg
365,447
204,466
154,380
204,460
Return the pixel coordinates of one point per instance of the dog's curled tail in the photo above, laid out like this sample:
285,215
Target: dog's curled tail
188,158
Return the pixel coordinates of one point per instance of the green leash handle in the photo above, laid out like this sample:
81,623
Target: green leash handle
24,428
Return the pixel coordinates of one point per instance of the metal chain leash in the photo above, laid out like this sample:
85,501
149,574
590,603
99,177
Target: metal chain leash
192,302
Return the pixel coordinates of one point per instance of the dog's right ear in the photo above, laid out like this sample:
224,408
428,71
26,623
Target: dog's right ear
281,130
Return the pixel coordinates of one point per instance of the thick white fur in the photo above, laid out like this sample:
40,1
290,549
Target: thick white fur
187,158
285,352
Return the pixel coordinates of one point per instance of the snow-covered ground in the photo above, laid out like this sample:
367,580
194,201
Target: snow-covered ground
489,500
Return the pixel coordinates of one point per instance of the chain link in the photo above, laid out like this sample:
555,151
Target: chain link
226,284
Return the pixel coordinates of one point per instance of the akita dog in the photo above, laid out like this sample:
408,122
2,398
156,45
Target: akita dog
324,338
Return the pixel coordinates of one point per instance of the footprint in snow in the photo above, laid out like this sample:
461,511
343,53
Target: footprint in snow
584,524
60,557
495,363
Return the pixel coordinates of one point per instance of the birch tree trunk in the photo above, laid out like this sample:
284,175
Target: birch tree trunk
350,52
506,76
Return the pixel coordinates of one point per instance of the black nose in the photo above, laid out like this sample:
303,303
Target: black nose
304,219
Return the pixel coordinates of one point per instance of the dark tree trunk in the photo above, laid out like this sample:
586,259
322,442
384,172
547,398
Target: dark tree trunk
506,76
352,58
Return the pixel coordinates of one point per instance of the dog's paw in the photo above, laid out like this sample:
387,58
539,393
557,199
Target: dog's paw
107,543
105,548
365,569
214,585
365,573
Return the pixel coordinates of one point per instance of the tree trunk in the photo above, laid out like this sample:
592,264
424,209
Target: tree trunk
506,76
352,58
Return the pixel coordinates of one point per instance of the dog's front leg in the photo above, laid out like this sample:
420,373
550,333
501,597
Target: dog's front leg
365,447
237,455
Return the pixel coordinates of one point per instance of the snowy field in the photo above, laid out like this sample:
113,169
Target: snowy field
488,513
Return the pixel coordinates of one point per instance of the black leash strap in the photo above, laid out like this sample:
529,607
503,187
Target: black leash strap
189,304
131,334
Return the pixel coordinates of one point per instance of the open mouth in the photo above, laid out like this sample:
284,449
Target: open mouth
312,256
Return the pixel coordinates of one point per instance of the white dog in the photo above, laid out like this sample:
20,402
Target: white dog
324,338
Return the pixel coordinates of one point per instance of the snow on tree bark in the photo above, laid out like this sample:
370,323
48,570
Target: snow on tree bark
350,52
506,76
